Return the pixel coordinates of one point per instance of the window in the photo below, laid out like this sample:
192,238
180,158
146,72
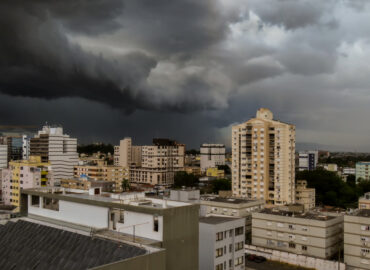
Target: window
365,228
35,201
219,252
239,260
305,229
239,246
51,204
231,232
304,247
230,248
230,263
291,226
155,224
219,266
219,236
239,231
291,245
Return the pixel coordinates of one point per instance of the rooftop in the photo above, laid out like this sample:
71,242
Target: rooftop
27,245
225,199
306,215
362,213
216,219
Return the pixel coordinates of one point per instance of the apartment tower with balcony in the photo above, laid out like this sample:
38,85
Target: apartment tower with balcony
263,159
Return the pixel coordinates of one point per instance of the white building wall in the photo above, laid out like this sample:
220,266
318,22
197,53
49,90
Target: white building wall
83,214
143,224
211,155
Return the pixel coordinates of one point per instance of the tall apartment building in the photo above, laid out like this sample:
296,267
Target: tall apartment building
3,156
362,170
14,143
263,159
126,154
308,160
57,148
104,172
357,239
364,202
172,226
221,243
159,163
25,147
24,174
211,155
311,233
305,195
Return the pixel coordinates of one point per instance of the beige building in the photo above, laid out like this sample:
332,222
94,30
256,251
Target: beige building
127,154
311,233
357,239
304,195
263,159
364,202
231,207
104,172
86,184
159,163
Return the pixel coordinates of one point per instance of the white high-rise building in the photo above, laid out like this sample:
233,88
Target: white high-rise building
3,156
57,148
308,160
263,159
122,153
211,155
25,147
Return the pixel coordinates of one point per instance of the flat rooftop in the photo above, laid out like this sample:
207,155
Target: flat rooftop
226,200
28,245
306,215
216,219
362,213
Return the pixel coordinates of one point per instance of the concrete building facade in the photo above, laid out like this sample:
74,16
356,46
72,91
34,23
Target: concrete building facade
362,170
232,207
364,201
308,160
263,159
211,155
57,148
221,243
357,239
24,174
3,156
104,172
310,233
304,195
159,163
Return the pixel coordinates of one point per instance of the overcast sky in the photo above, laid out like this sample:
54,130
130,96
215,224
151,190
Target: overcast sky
187,69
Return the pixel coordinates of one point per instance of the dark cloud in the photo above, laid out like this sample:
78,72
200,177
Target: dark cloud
185,69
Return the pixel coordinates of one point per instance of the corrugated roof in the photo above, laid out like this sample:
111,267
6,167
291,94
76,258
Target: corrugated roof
27,245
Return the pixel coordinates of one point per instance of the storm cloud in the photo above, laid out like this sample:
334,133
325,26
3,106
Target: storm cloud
187,69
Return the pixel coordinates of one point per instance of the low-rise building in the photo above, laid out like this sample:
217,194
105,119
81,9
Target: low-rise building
215,172
221,243
193,170
171,225
349,171
88,183
313,234
357,239
364,202
304,195
103,172
231,207
362,170
24,174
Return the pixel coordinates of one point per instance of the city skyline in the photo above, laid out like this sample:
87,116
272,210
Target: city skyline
133,69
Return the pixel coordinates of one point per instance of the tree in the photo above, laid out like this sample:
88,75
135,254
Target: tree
220,184
225,168
125,185
193,152
94,148
185,179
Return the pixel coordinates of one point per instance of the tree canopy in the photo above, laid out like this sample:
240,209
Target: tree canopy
331,190
185,179
89,149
